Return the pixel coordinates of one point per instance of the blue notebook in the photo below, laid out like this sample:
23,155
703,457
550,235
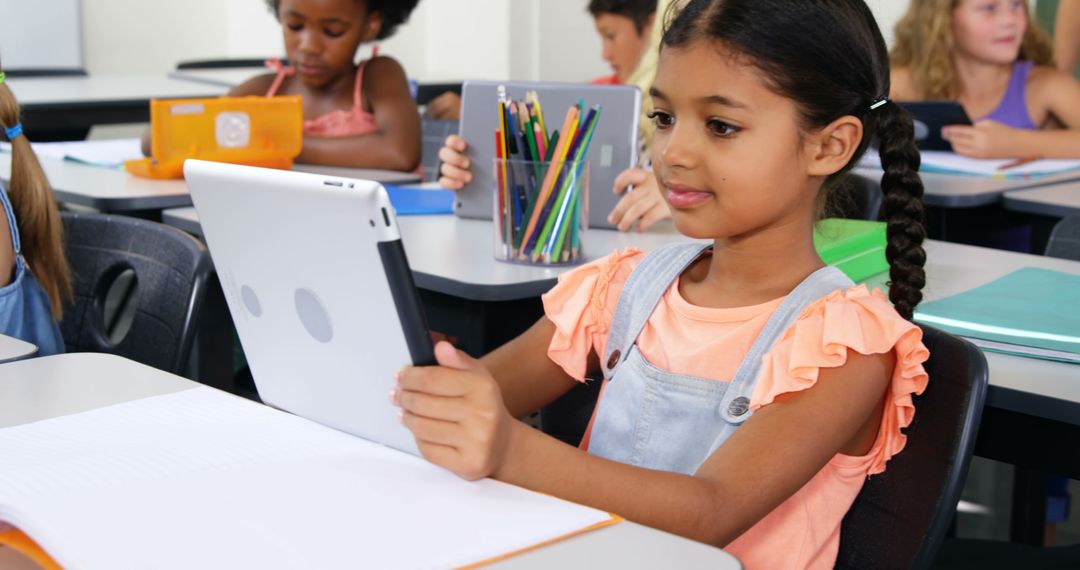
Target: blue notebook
419,202
1031,312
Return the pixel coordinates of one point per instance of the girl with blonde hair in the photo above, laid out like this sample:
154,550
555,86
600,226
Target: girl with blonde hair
990,57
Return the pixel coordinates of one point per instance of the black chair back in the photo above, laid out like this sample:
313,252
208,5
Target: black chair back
901,516
138,288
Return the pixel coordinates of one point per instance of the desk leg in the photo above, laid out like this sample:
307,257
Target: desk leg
1028,521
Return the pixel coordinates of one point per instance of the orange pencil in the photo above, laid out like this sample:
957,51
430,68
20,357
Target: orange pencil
1018,162
545,188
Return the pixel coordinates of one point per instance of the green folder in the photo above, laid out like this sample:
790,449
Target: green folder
856,247
1031,312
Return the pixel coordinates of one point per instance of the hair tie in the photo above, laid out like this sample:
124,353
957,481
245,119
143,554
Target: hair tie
14,132
879,102
3,76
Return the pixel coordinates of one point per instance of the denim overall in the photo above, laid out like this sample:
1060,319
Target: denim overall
660,420
25,310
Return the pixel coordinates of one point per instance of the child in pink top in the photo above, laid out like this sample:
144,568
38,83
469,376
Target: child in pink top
360,116
749,390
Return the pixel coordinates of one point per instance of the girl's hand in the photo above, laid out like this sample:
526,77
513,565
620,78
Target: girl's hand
456,412
454,172
985,139
643,205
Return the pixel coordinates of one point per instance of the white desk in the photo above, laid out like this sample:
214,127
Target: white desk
110,190
455,256
955,191
59,385
81,102
12,349
1031,386
1059,201
105,189
225,77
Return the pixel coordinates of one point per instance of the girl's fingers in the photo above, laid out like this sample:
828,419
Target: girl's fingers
435,381
433,407
432,431
450,156
452,172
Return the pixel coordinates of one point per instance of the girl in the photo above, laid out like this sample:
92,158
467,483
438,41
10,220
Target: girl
987,55
360,116
749,388
35,280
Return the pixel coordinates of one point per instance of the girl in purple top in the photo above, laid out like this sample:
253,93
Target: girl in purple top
987,55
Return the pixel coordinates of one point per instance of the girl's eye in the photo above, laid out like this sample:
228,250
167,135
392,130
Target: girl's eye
295,27
720,128
661,119
334,33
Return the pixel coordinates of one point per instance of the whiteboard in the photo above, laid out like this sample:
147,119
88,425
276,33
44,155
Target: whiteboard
41,34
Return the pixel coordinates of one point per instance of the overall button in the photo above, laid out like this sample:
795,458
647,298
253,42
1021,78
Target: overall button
613,359
739,406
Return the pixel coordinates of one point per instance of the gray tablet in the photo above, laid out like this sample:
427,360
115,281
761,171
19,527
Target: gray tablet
318,285
614,146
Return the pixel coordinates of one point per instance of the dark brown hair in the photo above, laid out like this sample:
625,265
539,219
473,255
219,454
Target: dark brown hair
829,58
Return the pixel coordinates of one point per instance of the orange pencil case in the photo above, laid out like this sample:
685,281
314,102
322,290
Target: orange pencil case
256,131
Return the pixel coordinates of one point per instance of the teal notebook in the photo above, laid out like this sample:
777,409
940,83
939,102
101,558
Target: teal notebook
1031,312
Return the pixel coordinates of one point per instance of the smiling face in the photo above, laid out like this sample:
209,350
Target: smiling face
322,36
728,153
622,43
989,31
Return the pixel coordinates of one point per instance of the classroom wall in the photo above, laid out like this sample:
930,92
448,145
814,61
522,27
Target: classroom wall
150,36
550,40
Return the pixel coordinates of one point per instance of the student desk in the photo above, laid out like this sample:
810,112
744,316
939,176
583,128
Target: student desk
12,349
50,103
467,294
116,191
1058,201
957,191
58,385
228,77
969,208
1032,415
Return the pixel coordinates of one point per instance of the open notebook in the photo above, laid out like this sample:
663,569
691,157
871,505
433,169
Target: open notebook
945,162
202,479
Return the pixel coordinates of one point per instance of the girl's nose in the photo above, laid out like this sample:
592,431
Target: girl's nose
676,150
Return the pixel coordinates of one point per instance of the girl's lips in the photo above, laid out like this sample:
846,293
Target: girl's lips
311,69
683,197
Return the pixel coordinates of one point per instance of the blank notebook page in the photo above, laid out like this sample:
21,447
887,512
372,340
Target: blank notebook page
202,479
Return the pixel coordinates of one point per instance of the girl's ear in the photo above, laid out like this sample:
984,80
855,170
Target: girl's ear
373,26
832,146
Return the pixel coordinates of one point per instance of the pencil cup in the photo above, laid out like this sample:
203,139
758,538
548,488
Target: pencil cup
541,211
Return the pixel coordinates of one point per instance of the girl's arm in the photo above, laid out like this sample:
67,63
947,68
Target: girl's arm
1067,36
527,378
396,143
456,413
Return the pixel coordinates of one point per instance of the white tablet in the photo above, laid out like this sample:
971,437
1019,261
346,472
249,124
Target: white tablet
318,285
614,147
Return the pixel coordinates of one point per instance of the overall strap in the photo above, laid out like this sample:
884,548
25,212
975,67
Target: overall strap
358,89
282,71
735,406
640,295
12,222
